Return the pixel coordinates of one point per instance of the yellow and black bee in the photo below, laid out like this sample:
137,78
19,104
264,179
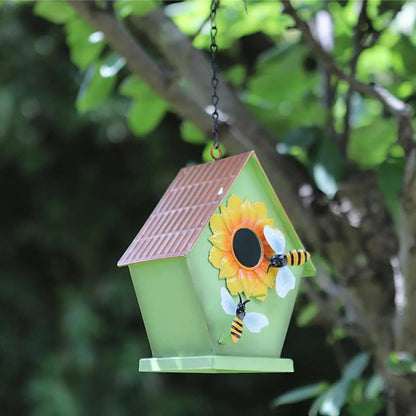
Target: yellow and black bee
285,281
254,321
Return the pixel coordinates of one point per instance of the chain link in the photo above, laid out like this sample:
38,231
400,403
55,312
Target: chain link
213,48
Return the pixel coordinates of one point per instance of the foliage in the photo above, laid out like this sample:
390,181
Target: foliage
79,185
354,393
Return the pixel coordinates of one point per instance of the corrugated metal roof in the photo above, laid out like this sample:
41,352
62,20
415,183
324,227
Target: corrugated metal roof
184,210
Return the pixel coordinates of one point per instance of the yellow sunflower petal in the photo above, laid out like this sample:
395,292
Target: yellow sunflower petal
217,224
262,222
234,202
249,284
234,285
260,210
260,291
215,257
247,214
269,278
229,267
230,217
221,241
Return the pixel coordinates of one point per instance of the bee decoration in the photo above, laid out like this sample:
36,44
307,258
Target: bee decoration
254,321
285,281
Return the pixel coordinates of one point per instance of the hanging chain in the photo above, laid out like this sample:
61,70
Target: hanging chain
213,48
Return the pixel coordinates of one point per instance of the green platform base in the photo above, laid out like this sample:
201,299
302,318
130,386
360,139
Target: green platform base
216,364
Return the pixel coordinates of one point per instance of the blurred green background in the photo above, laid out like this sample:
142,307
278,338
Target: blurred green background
76,189
81,172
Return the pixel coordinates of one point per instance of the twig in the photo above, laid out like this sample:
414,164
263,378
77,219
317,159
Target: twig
395,106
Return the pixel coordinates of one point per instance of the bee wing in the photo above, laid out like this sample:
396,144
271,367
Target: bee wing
285,281
227,302
255,321
275,239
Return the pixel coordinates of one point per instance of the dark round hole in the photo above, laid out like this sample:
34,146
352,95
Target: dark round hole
247,248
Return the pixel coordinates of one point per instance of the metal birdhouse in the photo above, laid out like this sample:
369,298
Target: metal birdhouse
216,270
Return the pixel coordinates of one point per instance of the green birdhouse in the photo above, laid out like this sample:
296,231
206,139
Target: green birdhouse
216,269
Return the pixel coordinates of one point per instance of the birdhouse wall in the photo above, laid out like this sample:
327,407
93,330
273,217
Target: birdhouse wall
170,308
253,184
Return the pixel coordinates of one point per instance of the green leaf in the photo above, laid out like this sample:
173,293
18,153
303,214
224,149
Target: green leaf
307,314
144,116
374,387
147,109
138,8
84,42
356,366
191,134
94,89
55,11
369,145
334,399
327,167
300,394
366,407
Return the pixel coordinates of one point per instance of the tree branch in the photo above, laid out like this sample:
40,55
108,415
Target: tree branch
396,107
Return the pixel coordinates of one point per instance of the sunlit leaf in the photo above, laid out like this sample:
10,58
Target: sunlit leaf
138,8
146,110
94,89
300,394
191,134
84,48
55,11
369,146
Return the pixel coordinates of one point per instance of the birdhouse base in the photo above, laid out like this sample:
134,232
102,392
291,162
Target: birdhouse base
216,364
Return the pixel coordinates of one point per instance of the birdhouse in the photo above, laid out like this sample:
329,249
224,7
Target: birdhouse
216,270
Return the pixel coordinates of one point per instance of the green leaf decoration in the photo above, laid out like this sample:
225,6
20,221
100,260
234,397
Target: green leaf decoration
56,11
85,43
300,394
192,134
94,89
147,109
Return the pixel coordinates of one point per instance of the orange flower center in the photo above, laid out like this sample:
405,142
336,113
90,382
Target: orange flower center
247,249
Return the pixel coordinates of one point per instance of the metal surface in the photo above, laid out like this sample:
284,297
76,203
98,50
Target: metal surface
184,210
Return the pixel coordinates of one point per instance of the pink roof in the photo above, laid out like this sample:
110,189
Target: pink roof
184,210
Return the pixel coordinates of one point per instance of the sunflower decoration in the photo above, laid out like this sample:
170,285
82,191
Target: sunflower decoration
239,247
